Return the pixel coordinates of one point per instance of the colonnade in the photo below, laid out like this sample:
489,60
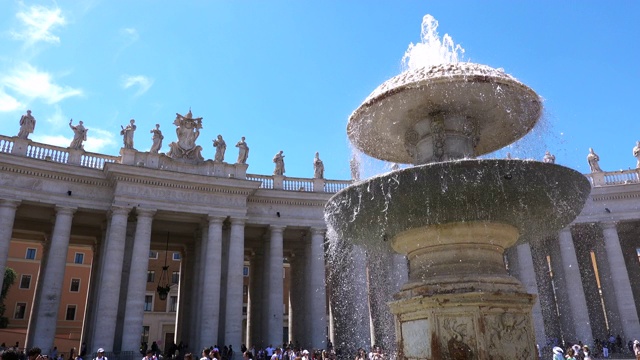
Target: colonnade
210,305
582,282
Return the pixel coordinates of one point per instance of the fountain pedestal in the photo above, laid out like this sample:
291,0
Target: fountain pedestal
460,303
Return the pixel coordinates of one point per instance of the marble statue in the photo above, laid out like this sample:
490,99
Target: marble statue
354,165
549,158
188,130
127,134
318,167
243,151
636,154
79,135
157,139
278,159
27,125
593,159
395,167
221,147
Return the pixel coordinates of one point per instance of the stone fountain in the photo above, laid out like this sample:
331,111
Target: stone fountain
451,214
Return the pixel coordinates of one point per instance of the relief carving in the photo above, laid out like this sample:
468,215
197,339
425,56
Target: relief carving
508,336
458,338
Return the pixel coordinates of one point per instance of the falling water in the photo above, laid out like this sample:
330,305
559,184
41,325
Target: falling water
432,50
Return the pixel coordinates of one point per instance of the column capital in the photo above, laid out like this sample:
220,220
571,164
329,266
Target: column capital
143,212
65,210
215,219
277,228
8,203
237,220
119,210
318,231
608,225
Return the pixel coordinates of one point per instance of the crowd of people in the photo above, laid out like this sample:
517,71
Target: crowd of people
35,353
603,349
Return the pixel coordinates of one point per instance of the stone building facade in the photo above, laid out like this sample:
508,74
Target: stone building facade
222,220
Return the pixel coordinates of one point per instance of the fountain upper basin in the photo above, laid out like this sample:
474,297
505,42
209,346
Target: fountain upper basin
498,108
536,198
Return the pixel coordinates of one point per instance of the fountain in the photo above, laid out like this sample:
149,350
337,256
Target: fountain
451,214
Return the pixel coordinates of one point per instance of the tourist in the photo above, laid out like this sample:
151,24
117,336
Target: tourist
586,352
205,354
188,356
570,354
27,125
243,151
636,349
79,135
269,351
361,355
277,354
54,353
127,133
318,167
558,353
100,355
9,354
149,355
278,159
247,355
605,350
221,148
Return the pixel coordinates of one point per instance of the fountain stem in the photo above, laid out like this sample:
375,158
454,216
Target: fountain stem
441,136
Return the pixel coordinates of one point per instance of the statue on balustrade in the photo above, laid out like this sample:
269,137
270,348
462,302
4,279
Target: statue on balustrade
27,125
127,134
278,159
157,139
79,135
221,147
593,159
549,158
243,151
188,130
318,167
354,164
636,154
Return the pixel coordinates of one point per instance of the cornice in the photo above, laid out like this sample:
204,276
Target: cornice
619,196
293,202
72,178
181,186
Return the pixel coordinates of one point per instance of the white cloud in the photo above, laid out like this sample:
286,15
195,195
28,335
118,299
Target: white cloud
131,34
58,118
142,82
28,81
37,24
8,102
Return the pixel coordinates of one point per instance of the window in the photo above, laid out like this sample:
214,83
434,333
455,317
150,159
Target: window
245,271
145,334
153,254
175,277
176,256
79,259
75,285
173,303
31,254
25,281
71,313
151,276
245,290
21,309
244,309
148,302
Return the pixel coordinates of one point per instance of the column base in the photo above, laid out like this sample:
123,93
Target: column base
473,325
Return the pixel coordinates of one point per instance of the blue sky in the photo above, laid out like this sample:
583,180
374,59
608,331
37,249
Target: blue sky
287,74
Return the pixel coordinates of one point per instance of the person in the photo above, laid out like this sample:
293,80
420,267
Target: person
205,354
221,147
188,356
549,158
127,133
230,353
149,355
570,354
54,353
636,349
605,350
361,355
318,167
586,352
243,151
558,353
79,135
278,159
100,355
276,355
10,355
27,125
593,159
247,355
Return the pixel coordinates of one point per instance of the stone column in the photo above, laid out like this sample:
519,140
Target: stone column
185,298
573,284
7,216
52,277
211,264
297,288
200,238
527,277
254,314
317,309
276,284
108,295
136,290
233,319
620,280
